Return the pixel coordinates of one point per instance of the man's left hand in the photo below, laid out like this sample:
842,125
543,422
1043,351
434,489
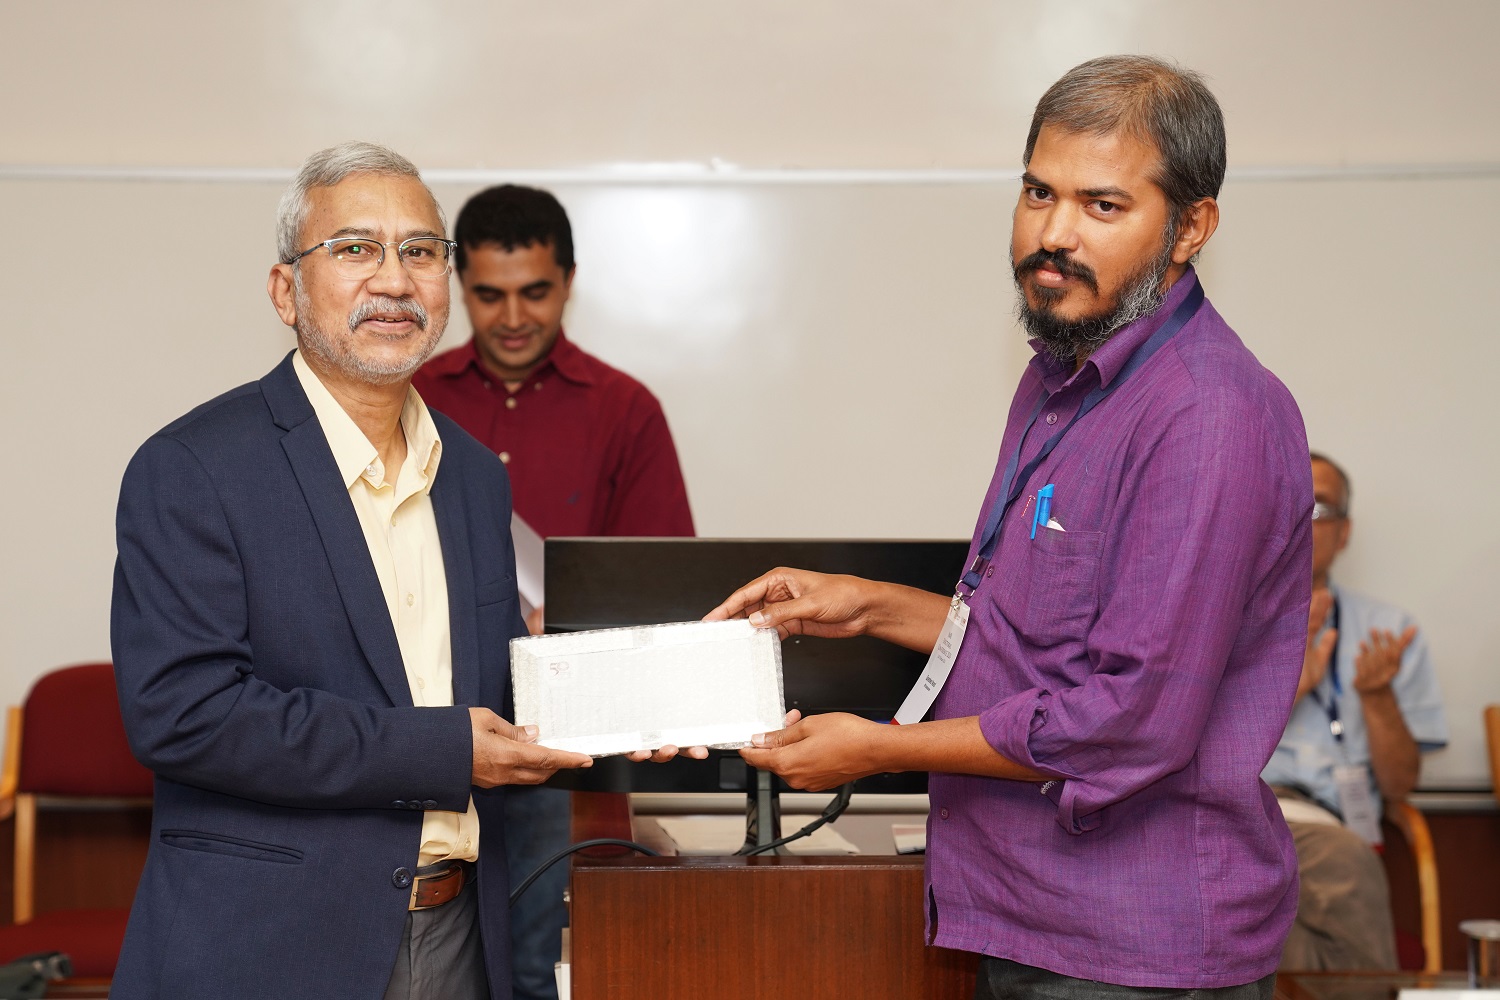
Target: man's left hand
1380,658
823,751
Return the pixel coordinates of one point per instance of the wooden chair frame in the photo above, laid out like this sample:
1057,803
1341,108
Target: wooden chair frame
1413,826
1492,737
23,805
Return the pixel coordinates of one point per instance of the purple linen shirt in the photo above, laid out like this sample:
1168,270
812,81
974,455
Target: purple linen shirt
1147,657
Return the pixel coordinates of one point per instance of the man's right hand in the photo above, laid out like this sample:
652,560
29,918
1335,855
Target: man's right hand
1320,642
799,602
508,755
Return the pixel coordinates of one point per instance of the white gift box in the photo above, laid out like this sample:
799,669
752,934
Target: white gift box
615,690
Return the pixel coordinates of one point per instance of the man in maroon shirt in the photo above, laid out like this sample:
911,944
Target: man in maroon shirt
588,452
587,446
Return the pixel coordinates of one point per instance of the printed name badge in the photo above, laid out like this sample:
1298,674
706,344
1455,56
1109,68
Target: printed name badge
1356,801
935,674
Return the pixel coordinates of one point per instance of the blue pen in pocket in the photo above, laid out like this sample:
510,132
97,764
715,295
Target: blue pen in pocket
1043,511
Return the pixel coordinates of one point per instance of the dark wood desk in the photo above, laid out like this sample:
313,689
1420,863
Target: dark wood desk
747,928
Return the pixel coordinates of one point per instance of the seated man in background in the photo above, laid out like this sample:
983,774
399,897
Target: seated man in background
1367,707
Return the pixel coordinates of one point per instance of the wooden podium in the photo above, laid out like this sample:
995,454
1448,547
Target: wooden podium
737,928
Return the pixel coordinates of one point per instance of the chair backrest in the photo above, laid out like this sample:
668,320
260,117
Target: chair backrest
67,742
73,741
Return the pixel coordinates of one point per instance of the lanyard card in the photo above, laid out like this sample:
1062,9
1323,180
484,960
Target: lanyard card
1357,802
935,674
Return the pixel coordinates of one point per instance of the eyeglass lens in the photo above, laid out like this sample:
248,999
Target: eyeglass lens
362,258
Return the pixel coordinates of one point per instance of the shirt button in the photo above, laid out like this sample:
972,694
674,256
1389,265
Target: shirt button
943,812
411,599
510,402
537,386
421,683
1051,418
401,878
468,844
505,457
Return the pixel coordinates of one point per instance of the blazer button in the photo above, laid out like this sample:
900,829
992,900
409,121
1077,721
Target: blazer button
429,803
399,804
401,878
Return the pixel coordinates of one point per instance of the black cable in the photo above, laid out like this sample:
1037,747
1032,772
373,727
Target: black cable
515,893
834,810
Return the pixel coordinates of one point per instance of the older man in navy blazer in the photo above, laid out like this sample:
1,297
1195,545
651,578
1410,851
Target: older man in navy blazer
313,601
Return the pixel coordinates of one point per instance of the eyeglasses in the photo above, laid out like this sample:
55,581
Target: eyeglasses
1327,512
422,256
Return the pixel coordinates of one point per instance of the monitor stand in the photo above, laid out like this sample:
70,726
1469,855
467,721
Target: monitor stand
762,812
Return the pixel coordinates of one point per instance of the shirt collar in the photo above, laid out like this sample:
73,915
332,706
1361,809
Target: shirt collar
1109,359
353,453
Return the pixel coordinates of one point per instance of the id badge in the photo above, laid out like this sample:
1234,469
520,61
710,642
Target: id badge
1357,802
939,664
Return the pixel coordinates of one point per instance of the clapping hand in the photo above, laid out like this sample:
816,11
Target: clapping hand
1320,642
1380,658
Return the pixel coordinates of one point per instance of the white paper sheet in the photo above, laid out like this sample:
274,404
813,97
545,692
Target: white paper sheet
530,563
612,691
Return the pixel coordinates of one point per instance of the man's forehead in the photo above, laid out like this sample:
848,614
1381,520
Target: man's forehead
491,263
375,205
1116,160
1327,483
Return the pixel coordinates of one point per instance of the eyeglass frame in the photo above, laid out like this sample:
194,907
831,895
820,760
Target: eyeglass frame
1328,512
327,245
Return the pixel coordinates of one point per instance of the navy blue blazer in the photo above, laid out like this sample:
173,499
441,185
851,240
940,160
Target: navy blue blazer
261,681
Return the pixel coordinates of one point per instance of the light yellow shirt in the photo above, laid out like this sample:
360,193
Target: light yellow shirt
401,531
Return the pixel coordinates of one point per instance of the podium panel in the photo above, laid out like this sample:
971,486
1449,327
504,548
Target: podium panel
738,928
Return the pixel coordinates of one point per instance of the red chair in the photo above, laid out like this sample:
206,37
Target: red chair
66,747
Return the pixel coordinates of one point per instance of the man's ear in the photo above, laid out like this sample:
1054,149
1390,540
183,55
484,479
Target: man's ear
1345,529
283,292
1194,229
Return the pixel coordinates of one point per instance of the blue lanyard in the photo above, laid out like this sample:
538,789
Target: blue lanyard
1335,724
1012,485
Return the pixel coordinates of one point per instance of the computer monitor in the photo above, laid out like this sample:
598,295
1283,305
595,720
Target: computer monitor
594,583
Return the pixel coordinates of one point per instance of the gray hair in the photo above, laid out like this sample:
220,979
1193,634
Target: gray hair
326,168
1152,101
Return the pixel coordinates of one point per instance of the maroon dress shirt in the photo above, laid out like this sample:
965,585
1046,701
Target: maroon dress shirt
587,446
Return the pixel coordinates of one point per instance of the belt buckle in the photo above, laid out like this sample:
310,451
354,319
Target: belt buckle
436,882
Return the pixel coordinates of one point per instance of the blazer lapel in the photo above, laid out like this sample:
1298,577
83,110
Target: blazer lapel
458,567
343,540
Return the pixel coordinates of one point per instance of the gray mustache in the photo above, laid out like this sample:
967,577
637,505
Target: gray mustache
387,304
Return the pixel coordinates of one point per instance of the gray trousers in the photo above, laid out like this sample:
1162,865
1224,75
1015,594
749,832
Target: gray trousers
1344,910
1000,979
440,957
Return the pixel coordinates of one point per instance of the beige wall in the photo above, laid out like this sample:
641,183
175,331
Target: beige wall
809,333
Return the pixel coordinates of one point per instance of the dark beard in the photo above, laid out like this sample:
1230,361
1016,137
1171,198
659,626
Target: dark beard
1069,340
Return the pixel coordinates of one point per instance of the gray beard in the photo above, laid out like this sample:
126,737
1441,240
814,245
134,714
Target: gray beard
1070,340
334,350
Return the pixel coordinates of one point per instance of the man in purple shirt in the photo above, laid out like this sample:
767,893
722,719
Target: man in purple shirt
1130,630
